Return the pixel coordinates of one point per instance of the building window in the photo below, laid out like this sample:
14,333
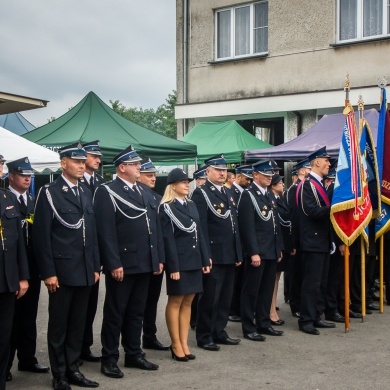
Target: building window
242,31
363,19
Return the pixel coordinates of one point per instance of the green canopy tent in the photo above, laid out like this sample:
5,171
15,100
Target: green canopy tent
92,119
227,138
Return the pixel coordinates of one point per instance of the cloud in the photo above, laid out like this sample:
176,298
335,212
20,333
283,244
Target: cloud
59,51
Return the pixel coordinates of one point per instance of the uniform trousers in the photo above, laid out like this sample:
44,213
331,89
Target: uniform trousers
24,330
256,296
214,304
123,313
336,267
91,313
7,307
67,312
150,315
235,308
315,268
295,281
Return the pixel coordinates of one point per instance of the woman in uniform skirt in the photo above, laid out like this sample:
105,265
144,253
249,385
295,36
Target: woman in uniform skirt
186,258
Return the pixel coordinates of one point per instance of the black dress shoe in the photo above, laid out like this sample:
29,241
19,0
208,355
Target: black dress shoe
353,314
228,341
140,362
309,329
88,356
324,324
60,383
154,344
111,370
279,322
235,318
8,377
78,379
209,346
270,331
37,368
254,336
372,306
335,317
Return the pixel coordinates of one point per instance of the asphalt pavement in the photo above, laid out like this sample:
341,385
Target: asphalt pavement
335,360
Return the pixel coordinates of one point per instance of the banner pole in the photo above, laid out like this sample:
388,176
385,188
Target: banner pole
381,244
346,288
363,277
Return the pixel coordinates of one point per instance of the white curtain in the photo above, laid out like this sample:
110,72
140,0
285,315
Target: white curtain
348,19
223,34
372,17
261,28
242,31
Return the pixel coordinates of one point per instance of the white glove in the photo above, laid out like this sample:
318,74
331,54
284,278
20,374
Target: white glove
333,250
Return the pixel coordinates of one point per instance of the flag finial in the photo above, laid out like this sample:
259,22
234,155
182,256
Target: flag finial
382,82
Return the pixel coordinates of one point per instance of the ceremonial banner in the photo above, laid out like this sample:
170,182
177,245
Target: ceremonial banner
351,209
382,222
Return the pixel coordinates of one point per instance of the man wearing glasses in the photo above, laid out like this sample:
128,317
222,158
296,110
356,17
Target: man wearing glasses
130,242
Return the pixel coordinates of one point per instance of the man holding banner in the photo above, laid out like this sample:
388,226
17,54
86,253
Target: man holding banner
316,243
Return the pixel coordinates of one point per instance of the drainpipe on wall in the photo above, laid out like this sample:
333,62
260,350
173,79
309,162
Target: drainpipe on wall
299,122
185,28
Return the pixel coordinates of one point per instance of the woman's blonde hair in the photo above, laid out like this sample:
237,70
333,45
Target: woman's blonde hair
169,194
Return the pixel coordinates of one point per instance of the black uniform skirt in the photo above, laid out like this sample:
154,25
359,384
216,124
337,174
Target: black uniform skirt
190,282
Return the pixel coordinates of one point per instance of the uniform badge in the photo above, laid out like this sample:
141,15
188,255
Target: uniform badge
5,196
82,180
126,188
263,213
219,211
65,188
79,146
9,207
222,205
212,188
265,207
258,192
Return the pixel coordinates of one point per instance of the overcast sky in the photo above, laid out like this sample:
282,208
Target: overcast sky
60,50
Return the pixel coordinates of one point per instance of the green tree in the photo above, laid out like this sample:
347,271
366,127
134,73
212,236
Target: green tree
162,120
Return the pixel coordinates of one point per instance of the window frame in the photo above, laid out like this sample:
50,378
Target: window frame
360,23
252,30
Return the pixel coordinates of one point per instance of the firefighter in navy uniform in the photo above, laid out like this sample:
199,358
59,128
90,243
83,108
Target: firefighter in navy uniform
263,244
24,332
149,338
243,180
131,249
218,218
91,179
315,243
13,271
302,168
65,238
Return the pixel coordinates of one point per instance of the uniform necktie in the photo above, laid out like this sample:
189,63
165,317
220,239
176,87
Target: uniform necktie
266,194
91,182
185,204
77,194
138,192
23,206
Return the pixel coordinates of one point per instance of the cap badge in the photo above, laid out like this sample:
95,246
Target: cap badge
26,160
79,146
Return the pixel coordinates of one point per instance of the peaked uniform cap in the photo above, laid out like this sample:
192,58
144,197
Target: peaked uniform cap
200,173
276,179
246,170
147,166
128,155
217,162
21,166
93,148
264,167
74,151
320,153
302,164
175,175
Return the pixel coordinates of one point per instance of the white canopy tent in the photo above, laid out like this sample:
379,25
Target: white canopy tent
13,147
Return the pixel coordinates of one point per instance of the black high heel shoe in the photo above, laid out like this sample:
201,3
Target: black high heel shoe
190,356
178,358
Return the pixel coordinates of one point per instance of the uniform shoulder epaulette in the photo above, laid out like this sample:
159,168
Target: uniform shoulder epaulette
49,184
109,182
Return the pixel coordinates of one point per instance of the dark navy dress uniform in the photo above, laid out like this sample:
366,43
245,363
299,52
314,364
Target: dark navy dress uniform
13,268
24,332
260,236
130,239
315,244
185,251
71,254
224,246
94,293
